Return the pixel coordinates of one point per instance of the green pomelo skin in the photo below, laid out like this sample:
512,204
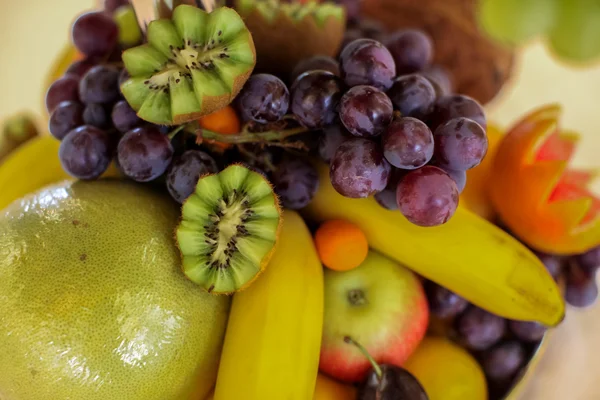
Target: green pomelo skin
93,302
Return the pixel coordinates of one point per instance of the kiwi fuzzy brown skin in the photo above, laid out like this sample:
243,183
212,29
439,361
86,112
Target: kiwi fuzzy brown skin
283,42
479,66
265,259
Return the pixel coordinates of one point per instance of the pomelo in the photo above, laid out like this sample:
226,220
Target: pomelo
93,304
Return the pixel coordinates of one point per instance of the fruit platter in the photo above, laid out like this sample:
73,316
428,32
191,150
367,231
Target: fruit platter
294,199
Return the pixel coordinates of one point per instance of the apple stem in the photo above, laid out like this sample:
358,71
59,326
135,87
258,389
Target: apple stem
364,351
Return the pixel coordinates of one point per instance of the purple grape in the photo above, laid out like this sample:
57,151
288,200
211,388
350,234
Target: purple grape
65,117
186,170
315,97
80,67
502,362
459,177
352,8
114,5
412,50
264,99
453,106
387,199
100,85
442,302
427,196
323,63
366,111
124,117
367,62
144,154
63,89
350,36
372,29
527,331
123,77
554,264
96,115
333,136
412,95
296,182
589,260
479,329
460,144
95,34
439,78
407,143
581,290
358,169
85,152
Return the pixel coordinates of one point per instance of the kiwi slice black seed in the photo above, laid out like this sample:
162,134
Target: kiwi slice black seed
193,64
229,229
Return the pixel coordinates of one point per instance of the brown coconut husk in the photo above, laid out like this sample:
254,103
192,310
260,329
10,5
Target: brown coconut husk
283,42
479,66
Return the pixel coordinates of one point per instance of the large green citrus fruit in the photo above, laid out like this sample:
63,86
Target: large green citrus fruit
93,304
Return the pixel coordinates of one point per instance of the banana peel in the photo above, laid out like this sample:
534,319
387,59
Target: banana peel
467,255
540,199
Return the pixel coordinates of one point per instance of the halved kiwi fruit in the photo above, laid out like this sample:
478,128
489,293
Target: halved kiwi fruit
193,64
289,32
229,229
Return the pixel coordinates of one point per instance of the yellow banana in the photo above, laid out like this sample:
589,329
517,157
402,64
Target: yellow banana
273,338
467,255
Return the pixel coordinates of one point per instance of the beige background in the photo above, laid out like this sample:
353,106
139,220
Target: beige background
33,31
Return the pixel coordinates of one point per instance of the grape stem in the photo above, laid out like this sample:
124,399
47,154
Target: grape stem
364,351
273,137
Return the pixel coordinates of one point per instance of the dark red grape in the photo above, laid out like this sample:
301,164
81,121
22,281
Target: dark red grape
186,170
96,115
581,290
85,152
502,362
589,260
124,117
144,154
65,117
358,169
460,144
296,182
100,85
459,177
442,302
366,111
352,8
372,29
407,143
95,34
439,78
387,199
333,136
527,331
367,62
427,196
412,50
114,5
315,98
479,329
264,99
453,106
80,67
63,89
554,264
412,95
324,63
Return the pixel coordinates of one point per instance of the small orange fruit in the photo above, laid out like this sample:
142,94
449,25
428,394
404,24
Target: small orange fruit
341,245
225,121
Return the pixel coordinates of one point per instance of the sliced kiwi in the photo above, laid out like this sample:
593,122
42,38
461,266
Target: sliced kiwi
229,229
296,11
130,33
193,64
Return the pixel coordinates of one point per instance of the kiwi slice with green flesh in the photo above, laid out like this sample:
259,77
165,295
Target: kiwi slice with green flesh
229,229
130,33
193,64
270,9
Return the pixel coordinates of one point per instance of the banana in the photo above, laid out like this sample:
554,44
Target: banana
273,338
467,255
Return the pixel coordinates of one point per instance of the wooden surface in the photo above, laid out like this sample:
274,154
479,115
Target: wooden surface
33,31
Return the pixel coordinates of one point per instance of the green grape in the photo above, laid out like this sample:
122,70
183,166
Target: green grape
576,35
516,21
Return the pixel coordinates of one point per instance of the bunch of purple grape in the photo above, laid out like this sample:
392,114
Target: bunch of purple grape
389,130
504,347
